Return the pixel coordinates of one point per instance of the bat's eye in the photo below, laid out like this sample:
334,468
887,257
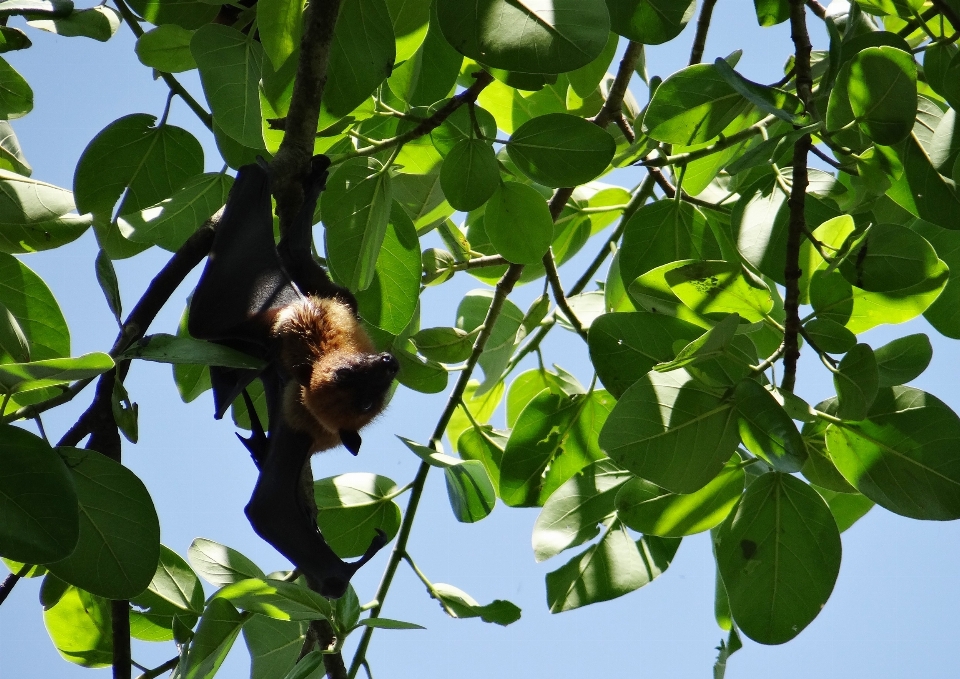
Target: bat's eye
342,373
366,406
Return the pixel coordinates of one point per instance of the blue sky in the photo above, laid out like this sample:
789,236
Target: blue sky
895,610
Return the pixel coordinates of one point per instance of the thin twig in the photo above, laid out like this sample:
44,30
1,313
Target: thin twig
831,162
559,297
426,125
949,12
817,9
613,106
162,669
682,159
703,26
798,224
131,20
476,263
671,192
504,287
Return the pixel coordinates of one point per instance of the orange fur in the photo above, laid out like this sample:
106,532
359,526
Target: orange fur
319,336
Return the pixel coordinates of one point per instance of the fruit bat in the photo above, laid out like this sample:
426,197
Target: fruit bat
322,378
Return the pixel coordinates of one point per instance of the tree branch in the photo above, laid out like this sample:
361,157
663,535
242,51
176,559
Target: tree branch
504,287
162,669
717,146
798,224
613,106
670,191
292,160
131,20
949,12
816,8
703,26
426,125
553,276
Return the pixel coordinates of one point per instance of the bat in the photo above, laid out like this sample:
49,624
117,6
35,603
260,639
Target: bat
323,378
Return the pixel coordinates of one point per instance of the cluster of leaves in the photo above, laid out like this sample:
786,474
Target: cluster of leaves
687,430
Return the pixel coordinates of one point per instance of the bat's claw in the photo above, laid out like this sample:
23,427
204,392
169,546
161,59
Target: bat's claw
257,446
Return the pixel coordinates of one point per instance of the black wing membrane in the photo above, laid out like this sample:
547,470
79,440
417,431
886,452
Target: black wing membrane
246,282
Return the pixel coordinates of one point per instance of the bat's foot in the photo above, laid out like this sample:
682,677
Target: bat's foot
257,443
335,586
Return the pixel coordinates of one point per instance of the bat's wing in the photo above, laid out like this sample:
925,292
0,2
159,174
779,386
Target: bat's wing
243,285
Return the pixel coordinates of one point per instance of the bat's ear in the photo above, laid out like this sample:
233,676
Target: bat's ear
351,440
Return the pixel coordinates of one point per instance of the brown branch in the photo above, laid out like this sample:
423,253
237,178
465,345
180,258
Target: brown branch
156,295
426,125
816,8
949,12
703,26
162,669
798,224
670,191
831,162
10,582
613,106
120,615
292,161
559,297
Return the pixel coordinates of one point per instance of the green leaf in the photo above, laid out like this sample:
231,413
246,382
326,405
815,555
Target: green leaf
512,205
164,348
174,592
445,345
834,298
278,22
119,546
411,19
58,8
356,208
469,490
361,56
484,444
220,565
950,88
904,455
419,374
889,258
188,14
663,232
99,23
921,190
459,604
218,629
386,623
625,346
523,389
133,160
936,62
33,306
651,510
819,468
12,39
11,155
766,429
585,80
715,286
172,221
903,359
16,97
166,48
351,509
692,106
33,215
779,555
883,93
772,12
231,66
459,127
559,149
107,279
829,335
274,645
776,102
711,344
554,438
856,382
572,515
80,626
12,340
37,500
769,151
391,299
469,174
527,36
306,665
19,377
847,508
471,313
277,599
431,73
671,430
609,569
651,22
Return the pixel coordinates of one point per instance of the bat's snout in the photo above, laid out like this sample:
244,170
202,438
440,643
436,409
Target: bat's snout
389,364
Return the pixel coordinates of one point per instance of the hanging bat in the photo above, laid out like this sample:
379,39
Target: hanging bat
323,378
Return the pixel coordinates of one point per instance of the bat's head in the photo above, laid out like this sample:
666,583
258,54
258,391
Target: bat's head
344,381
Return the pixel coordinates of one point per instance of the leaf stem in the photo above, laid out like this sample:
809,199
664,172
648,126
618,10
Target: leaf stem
559,297
161,669
722,143
133,22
